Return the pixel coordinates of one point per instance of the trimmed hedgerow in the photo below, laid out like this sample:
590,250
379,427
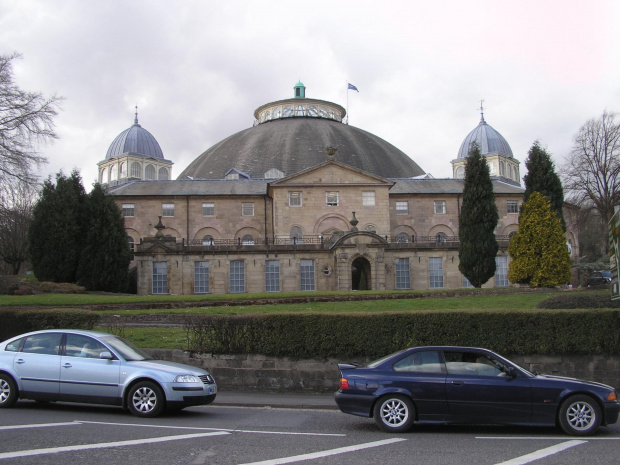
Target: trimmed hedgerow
15,322
374,335
575,300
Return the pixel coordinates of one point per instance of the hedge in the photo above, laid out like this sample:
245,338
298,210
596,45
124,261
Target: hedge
310,336
579,300
15,322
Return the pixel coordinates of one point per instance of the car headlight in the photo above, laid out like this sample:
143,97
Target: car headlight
186,379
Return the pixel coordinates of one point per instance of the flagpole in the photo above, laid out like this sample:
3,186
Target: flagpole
347,102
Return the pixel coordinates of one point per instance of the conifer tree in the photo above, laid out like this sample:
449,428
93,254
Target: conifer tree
541,177
538,249
477,221
56,231
105,257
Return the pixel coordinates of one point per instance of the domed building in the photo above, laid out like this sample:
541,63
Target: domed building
502,165
302,201
134,155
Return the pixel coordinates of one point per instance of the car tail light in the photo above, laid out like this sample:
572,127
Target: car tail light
611,396
344,383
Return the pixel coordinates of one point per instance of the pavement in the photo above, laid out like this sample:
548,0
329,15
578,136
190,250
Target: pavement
276,400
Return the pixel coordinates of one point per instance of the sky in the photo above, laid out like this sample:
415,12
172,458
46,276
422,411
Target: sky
197,70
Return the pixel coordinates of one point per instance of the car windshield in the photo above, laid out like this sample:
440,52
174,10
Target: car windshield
376,363
125,349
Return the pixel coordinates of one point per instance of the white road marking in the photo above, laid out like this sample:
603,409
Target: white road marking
292,433
326,453
544,438
39,425
542,453
103,445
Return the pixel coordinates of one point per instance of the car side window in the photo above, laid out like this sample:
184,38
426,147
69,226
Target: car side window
472,363
83,346
420,362
45,343
14,346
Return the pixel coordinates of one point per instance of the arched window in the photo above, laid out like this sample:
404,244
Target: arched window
113,173
296,235
163,174
370,228
440,237
131,243
402,238
247,240
136,170
460,172
149,173
104,176
208,240
123,170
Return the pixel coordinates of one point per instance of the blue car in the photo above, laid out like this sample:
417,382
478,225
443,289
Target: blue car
470,385
98,368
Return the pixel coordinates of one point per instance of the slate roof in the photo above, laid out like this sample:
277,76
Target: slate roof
191,187
294,144
445,186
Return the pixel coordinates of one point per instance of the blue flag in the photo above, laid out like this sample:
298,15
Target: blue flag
352,87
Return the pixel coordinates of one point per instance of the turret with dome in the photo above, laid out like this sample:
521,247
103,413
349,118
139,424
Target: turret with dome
134,155
502,165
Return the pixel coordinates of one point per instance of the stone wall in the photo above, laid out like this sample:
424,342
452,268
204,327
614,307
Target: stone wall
261,373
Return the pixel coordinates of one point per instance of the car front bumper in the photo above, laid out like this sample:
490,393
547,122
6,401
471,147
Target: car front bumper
612,409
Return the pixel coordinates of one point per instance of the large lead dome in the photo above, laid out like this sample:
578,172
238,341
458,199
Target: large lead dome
292,135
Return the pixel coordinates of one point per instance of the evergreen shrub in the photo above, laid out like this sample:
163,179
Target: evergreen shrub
18,321
348,336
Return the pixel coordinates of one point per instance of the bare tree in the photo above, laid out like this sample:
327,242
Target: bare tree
26,120
591,174
16,203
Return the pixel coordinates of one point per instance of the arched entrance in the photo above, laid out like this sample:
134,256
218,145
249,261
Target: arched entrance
360,274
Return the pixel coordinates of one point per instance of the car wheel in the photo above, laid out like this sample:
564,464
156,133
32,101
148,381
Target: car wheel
145,399
394,413
580,416
8,391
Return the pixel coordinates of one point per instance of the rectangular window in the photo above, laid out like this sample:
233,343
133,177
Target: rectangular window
402,208
368,198
513,206
307,275
435,269
440,207
247,209
167,209
272,276
237,276
201,277
208,209
128,209
402,273
466,282
331,199
294,199
501,272
160,277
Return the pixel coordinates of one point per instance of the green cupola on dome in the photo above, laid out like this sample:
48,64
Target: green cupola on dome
300,90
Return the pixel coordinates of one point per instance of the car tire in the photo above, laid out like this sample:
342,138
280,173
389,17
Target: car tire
8,391
580,416
394,413
145,399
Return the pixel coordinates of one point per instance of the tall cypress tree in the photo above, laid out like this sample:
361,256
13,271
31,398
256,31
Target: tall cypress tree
538,249
477,221
541,177
105,257
56,232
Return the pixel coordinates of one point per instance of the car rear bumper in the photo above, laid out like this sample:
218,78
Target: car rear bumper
354,404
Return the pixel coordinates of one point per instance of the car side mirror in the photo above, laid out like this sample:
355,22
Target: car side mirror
106,355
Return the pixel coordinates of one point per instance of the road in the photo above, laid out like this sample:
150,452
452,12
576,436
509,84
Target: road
57,434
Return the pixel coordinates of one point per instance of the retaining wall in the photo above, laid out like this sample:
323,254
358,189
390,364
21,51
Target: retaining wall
260,373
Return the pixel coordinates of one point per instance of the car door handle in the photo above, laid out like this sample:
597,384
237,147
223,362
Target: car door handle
458,383
20,361
67,365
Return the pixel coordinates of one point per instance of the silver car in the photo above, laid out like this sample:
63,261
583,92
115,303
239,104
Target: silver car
95,367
